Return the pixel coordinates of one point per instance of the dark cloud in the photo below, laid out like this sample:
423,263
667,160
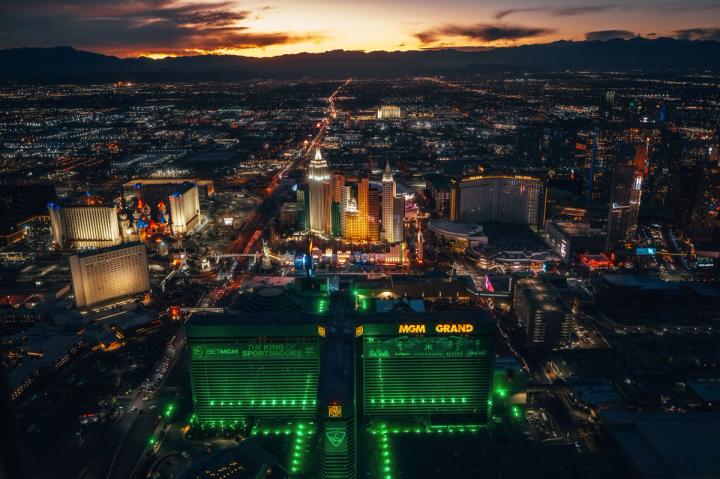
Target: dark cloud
482,32
699,34
604,35
127,26
676,6
560,11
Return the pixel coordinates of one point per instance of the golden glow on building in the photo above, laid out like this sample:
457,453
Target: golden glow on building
109,274
185,210
517,199
80,227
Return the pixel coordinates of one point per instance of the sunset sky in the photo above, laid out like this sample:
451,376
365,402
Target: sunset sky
273,27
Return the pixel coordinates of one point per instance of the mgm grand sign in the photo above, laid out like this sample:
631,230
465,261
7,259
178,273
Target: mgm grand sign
440,328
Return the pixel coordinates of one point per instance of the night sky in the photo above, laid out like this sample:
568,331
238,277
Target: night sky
272,27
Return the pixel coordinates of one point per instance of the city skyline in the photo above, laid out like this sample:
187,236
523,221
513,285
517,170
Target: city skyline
161,28
272,249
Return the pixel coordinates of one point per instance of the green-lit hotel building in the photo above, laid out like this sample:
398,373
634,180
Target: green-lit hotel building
342,382
241,368
435,365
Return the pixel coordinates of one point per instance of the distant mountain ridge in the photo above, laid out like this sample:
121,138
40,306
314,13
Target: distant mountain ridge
64,63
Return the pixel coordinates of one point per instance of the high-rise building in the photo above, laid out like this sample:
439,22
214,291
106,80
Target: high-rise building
362,199
398,219
389,112
625,195
185,209
571,238
499,198
546,320
373,215
428,365
338,181
84,226
109,274
355,211
338,391
319,190
345,197
354,224
242,367
594,153
303,209
172,205
388,206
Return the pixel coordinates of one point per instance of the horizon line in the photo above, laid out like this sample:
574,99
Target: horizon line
461,48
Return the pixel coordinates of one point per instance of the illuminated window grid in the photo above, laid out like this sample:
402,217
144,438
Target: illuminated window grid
225,391
406,385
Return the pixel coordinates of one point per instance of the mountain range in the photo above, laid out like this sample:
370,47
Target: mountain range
662,54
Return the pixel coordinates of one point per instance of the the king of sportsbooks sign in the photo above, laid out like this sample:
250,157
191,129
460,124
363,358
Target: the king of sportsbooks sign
254,351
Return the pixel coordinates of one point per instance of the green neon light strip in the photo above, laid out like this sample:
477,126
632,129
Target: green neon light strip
438,429
301,433
385,455
298,448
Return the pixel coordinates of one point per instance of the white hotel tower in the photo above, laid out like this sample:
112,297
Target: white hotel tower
319,186
388,206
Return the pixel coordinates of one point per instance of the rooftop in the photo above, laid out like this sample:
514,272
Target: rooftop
667,445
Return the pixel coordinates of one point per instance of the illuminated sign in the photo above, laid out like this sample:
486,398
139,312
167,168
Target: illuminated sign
444,328
335,436
335,410
359,330
453,328
321,331
645,251
411,329
253,351
205,352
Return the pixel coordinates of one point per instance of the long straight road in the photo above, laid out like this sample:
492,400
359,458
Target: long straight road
246,241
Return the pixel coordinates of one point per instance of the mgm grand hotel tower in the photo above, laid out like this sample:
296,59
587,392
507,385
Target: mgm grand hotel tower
344,393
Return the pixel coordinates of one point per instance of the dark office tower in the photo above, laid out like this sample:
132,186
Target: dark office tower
625,193
336,219
499,198
303,212
439,366
252,366
594,151
695,189
336,185
546,320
